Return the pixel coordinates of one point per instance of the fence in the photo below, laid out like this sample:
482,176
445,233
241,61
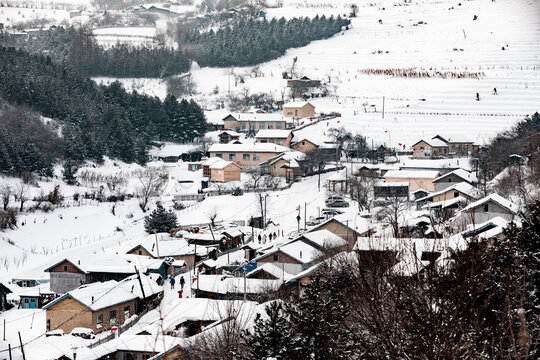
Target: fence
121,329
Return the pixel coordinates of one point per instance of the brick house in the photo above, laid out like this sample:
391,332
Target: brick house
246,154
298,109
279,137
256,121
97,306
227,136
340,229
430,148
416,179
293,258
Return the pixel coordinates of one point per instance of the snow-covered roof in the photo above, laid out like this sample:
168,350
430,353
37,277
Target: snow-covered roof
273,270
230,132
339,176
461,139
108,263
487,229
248,148
98,295
132,284
496,198
212,160
222,284
412,174
296,104
445,203
167,246
433,142
273,134
325,239
257,116
222,164
462,187
461,173
301,251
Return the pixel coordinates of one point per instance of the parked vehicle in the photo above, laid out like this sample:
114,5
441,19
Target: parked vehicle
332,198
331,212
316,221
338,203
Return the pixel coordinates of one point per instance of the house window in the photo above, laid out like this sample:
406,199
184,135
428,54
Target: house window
99,321
289,112
65,267
252,126
245,157
278,125
232,157
140,252
112,316
264,141
295,112
126,312
243,126
261,125
219,156
279,142
48,324
453,148
26,301
449,179
256,157
486,208
276,257
270,125
303,143
456,194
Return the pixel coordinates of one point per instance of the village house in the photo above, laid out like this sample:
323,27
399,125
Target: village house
279,137
224,171
416,179
303,82
233,288
166,247
246,154
439,146
97,306
35,297
459,146
430,148
287,165
70,273
453,177
256,121
306,146
399,189
462,190
227,136
293,257
486,209
342,230
4,291
338,182
299,109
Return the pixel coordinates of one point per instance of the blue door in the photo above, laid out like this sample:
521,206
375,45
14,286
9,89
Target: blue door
33,304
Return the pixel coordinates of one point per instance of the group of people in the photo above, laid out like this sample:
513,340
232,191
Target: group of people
494,92
264,237
172,281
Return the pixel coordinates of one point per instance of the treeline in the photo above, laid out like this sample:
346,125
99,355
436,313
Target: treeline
96,120
251,41
27,143
90,59
78,49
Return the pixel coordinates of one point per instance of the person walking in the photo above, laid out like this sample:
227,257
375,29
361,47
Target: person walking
477,97
182,282
260,238
270,236
172,281
494,91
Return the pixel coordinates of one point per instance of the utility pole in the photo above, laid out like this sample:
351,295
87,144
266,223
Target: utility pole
157,246
9,349
4,329
298,218
305,215
245,296
264,218
372,152
22,346
140,282
383,107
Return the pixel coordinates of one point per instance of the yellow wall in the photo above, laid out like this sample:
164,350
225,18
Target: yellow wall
263,157
415,183
307,110
229,173
304,147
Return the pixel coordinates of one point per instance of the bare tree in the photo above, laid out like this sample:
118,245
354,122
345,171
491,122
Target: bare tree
5,193
361,190
21,193
255,174
152,183
212,214
204,144
391,213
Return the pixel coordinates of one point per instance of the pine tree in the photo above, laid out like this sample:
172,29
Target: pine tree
271,337
70,170
160,220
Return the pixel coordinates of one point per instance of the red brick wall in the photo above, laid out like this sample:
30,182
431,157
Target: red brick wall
70,268
282,258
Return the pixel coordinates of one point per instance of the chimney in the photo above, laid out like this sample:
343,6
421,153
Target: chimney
300,254
92,298
79,262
